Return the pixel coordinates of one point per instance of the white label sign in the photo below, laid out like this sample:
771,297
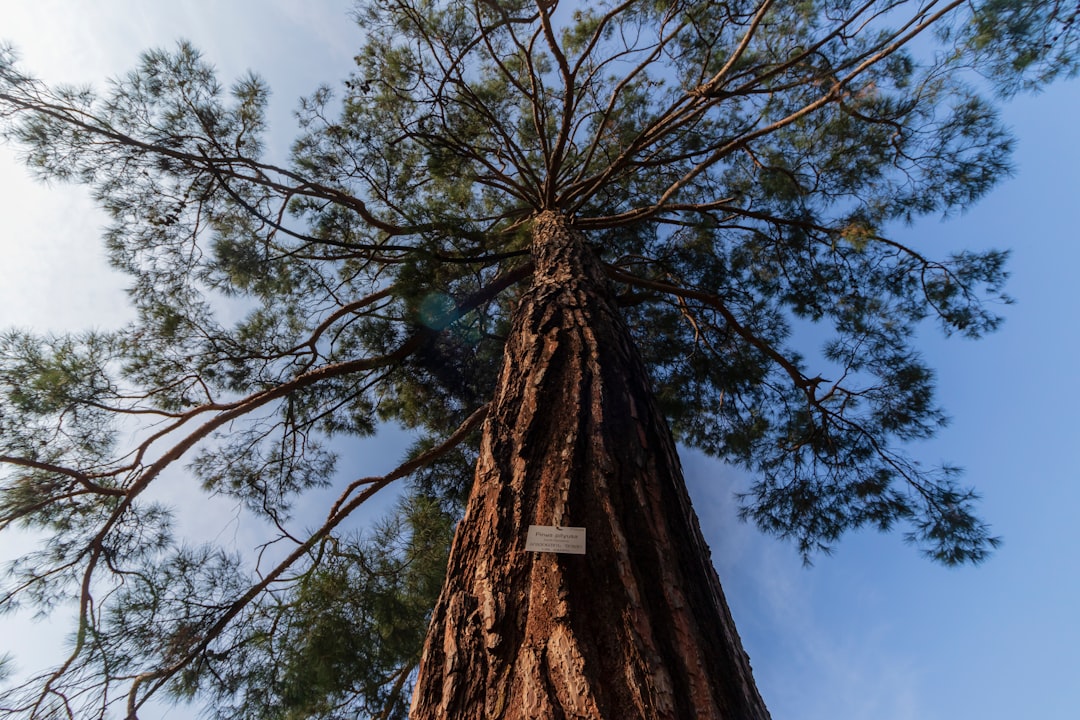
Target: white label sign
542,538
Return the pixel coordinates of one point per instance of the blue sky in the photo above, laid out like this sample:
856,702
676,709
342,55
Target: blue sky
874,631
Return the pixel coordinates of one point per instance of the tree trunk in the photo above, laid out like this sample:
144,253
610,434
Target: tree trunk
635,628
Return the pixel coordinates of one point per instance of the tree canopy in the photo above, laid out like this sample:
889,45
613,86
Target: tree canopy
737,166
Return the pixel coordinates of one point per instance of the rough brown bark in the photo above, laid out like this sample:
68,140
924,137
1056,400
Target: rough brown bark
638,626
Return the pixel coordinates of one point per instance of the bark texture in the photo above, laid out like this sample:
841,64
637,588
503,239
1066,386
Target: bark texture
636,628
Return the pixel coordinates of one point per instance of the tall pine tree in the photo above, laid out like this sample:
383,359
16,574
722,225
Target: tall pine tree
552,240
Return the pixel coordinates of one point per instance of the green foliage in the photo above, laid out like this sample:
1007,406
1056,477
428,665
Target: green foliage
738,166
1020,45
340,640
361,617
56,382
